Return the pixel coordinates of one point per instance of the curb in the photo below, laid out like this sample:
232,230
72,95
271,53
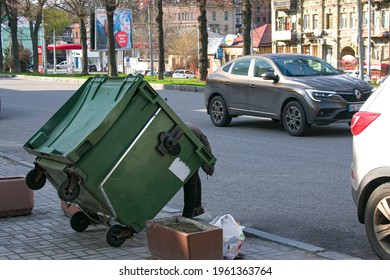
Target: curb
299,245
81,81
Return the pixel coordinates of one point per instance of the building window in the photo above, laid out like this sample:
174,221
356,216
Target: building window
375,53
214,16
385,53
226,28
329,21
306,22
385,18
178,16
281,24
353,20
264,19
258,9
226,15
343,21
315,22
365,18
258,19
377,22
238,19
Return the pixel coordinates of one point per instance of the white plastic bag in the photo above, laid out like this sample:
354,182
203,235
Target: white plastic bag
233,236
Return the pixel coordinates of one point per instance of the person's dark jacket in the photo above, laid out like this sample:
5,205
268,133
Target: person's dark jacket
209,170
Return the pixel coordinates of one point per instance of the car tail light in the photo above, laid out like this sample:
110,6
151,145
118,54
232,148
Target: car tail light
361,120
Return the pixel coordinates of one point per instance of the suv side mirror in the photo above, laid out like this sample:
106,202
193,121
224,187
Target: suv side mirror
270,76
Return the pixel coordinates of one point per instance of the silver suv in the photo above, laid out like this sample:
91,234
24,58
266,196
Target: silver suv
370,168
298,90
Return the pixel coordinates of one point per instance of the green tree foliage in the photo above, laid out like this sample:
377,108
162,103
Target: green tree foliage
57,19
25,58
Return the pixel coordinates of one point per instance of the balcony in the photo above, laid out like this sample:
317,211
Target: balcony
285,4
285,35
377,33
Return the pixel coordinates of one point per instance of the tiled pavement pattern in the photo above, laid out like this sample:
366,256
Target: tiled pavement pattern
46,234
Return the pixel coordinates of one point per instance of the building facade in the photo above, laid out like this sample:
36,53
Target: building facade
329,29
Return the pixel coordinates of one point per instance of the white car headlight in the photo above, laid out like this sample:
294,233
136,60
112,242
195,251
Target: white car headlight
318,95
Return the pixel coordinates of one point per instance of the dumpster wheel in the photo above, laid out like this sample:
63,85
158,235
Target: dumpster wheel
68,190
36,178
79,221
117,234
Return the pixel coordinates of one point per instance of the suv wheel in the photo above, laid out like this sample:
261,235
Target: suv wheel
377,221
294,119
218,112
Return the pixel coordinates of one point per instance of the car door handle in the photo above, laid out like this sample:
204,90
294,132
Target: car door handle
227,83
253,86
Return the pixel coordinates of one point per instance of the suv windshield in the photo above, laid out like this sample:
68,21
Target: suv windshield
294,67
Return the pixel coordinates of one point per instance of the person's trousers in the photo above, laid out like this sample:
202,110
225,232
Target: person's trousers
192,195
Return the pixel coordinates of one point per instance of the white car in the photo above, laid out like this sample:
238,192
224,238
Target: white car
62,65
186,74
370,168
143,72
356,73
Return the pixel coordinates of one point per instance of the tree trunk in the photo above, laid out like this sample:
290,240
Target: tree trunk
203,41
34,31
13,25
83,30
12,15
159,19
112,70
246,26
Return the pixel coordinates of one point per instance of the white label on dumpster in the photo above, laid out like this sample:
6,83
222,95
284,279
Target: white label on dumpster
180,169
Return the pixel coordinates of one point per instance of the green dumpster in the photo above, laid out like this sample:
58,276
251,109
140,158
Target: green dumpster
117,151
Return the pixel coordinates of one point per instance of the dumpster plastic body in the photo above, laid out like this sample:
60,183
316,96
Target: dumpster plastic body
121,147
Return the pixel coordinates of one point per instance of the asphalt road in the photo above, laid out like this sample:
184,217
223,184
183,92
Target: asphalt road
295,187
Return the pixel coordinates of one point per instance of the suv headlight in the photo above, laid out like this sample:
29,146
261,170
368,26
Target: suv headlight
318,95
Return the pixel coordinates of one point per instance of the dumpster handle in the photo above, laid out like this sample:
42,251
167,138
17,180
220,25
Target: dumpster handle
101,186
125,82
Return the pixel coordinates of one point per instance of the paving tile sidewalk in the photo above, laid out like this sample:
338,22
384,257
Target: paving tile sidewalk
47,235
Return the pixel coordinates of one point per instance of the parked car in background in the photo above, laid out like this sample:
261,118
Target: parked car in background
370,168
92,68
356,73
298,90
62,65
155,73
143,72
168,73
183,74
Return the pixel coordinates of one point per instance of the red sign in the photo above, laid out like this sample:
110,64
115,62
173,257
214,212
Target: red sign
39,49
121,38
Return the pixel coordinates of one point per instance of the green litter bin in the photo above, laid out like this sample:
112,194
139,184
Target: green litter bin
117,151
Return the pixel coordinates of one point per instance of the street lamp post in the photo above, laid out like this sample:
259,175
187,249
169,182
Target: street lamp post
44,57
360,38
44,62
54,52
369,40
150,37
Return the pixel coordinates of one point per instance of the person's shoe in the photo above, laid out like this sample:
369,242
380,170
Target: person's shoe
188,216
198,211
